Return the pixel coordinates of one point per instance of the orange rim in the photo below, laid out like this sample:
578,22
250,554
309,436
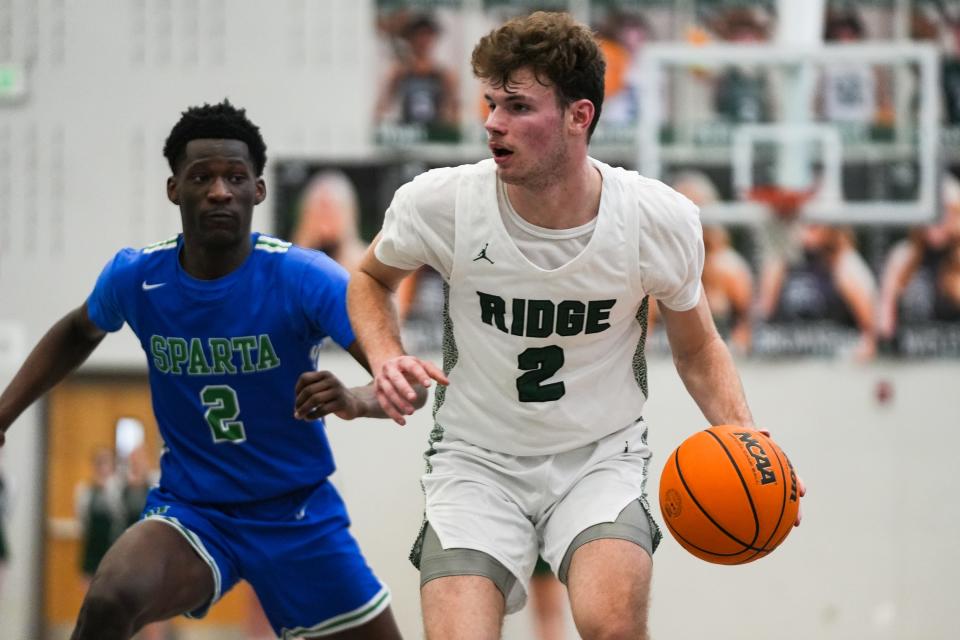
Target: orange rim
780,199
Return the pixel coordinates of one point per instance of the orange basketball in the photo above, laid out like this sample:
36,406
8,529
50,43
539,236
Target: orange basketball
729,495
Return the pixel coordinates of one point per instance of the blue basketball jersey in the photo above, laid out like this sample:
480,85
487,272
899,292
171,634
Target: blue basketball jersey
224,356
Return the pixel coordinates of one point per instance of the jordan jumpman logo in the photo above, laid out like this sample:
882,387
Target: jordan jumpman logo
483,254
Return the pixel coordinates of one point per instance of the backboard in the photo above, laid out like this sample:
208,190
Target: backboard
853,126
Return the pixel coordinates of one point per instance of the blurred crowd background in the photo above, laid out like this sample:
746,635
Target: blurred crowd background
784,276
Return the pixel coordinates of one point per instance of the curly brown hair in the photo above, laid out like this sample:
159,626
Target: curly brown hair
561,52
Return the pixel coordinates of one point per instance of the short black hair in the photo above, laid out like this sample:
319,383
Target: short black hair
220,121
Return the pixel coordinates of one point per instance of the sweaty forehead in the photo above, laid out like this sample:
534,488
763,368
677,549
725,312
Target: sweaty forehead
223,149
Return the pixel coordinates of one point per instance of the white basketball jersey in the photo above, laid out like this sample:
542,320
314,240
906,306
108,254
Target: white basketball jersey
542,361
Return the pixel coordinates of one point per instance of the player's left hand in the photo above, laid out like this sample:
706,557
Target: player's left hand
801,487
320,393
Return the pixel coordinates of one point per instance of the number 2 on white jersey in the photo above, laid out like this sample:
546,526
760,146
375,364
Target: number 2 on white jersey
540,363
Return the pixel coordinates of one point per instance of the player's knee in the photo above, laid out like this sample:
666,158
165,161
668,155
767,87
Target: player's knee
614,617
597,626
106,612
121,593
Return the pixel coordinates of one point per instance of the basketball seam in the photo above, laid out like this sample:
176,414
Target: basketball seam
746,489
783,502
787,532
678,536
746,547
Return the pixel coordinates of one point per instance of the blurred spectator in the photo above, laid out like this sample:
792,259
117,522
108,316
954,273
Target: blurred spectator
140,476
728,285
99,509
727,278
831,282
419,90
921,274
622,36
742,94
852,92
780,238
327,219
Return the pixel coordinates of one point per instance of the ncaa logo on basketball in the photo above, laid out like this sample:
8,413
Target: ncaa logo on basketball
760,457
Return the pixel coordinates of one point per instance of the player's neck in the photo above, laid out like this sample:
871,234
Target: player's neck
568,200
209,263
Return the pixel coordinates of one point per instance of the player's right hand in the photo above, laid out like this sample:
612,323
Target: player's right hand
319,393
392,384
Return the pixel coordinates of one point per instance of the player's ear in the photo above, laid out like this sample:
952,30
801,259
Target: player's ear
172,194
261,190
581,113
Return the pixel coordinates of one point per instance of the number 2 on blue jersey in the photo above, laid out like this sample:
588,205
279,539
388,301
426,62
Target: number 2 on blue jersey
222,411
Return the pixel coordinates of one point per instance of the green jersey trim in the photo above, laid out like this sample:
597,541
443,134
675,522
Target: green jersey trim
272,245
163,245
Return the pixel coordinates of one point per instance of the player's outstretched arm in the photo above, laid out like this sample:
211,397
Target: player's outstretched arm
62,349
374,318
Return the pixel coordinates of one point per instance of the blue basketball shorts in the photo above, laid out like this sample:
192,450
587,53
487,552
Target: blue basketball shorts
295,551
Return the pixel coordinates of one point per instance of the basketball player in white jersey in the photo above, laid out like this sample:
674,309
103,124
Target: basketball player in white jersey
548,257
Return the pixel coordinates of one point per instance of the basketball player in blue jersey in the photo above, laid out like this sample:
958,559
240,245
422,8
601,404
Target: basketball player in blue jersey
548,258
228,320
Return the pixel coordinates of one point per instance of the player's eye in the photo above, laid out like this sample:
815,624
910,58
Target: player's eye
238,178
